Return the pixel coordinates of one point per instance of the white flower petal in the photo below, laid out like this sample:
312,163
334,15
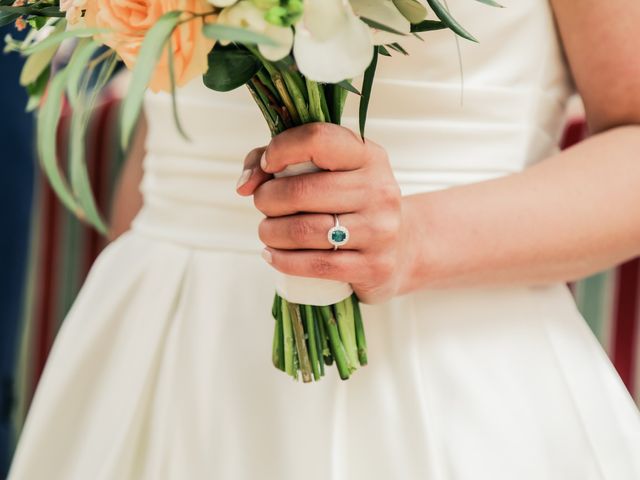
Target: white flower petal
346,54
284,37
385,13
323,17
222,3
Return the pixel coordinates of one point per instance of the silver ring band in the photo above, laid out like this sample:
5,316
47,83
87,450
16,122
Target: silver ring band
338,235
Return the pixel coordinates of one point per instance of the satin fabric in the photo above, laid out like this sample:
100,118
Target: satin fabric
162,368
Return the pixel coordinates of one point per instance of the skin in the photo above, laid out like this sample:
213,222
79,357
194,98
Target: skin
571,215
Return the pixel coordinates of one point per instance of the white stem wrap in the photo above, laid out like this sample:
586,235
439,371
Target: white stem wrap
306,290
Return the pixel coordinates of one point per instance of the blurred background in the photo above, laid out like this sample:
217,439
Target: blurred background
45,254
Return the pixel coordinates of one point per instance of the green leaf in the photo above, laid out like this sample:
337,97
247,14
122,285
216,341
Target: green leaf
80,181
427,26
491,3
77,67
383,51
348,86
446,18
8,17
380,26
36,90
56,38
235,34
398,48
38,61
174,103
367,85
230,67
47,128
150,52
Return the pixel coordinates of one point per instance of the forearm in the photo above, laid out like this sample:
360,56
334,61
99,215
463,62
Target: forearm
574,214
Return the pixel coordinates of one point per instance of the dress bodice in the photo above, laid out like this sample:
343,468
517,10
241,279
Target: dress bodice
445,119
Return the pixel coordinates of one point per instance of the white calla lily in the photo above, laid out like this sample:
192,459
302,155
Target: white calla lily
385,13
245,14
222,3
333,46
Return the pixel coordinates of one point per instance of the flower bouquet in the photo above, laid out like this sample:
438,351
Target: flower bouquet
297,58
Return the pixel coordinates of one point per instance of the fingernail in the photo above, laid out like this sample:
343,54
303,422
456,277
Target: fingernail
246,174
263,161
266,254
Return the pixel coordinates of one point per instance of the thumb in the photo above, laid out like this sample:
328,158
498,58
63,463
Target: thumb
252,174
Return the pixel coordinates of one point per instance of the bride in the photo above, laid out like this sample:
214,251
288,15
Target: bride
465,225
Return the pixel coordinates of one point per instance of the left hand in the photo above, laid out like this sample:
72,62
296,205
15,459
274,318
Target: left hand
356,182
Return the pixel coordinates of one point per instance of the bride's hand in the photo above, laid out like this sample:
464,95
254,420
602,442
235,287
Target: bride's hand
357,183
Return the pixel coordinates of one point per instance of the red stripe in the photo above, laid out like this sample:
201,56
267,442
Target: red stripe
626,314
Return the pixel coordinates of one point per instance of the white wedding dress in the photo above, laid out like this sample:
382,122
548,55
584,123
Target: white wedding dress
162,369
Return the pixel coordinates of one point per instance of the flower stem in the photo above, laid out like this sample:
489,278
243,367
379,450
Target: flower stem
307,313
287,331
347,333
361,340
298,97
337,347
326,351
315,102
301,346
319,336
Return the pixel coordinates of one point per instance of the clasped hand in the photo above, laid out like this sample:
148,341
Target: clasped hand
356,182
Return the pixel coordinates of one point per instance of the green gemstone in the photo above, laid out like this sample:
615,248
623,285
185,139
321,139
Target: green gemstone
338,236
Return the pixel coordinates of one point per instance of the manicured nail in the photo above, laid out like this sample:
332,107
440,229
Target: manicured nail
266,254
263,161
246,174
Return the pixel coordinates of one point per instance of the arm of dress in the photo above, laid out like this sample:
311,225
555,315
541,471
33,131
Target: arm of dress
127,199
574,214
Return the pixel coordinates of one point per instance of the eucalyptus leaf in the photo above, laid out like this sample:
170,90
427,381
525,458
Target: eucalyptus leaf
47,128
174,102
85,104
230,67
38,61
60,35
77,66
443,14
235,34
367,85
154,42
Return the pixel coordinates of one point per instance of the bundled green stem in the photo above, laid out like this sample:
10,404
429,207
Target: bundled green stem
307,338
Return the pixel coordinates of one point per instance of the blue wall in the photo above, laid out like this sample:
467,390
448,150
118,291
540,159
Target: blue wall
16,190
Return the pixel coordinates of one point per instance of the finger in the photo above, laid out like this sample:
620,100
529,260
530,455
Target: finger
345,266
320,192
310,231
328,146
252,175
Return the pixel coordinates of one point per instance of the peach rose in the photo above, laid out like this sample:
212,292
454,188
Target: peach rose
129,21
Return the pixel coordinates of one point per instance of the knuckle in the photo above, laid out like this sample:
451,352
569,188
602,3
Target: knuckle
384,266
259,201
300,230
298,187
390,194
321,266
264,231
386,227
317,132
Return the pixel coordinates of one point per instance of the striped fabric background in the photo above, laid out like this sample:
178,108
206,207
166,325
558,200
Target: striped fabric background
63,250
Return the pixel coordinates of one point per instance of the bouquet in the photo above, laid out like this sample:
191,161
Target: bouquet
297,58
